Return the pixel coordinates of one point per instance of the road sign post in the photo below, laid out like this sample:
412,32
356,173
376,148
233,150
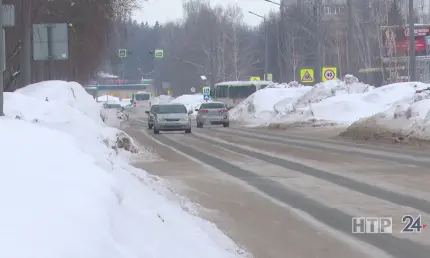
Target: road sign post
7,19
329,73
307,75
1,63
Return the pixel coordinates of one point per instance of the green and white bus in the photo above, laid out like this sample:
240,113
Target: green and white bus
233,92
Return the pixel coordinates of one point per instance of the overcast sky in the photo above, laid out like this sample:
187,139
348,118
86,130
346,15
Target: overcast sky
166,10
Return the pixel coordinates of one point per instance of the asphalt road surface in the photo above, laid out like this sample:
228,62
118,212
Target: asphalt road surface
287,195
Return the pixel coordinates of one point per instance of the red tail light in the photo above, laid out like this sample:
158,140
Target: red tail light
203,111
419,91
224,110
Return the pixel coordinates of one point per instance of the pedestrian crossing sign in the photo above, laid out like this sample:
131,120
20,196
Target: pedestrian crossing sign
307,75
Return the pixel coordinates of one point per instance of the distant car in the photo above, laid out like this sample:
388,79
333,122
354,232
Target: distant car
212,113
151,114
112,106
172,117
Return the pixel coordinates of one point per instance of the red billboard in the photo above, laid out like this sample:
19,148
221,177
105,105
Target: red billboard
396,41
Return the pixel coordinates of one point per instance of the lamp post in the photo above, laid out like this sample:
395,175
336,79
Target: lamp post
412,65
266,45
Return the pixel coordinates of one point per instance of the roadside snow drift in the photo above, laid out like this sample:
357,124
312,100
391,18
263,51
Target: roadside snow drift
162,99
67,191
407,118
262,106
400,109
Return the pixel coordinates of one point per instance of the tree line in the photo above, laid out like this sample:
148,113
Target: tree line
91,31
215,42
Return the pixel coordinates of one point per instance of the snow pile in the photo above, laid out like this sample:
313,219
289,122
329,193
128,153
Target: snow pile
407,115
162,99
259,107
293,84
65,191
191,102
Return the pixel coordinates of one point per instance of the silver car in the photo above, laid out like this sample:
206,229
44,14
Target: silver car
212,113
172,117
151,115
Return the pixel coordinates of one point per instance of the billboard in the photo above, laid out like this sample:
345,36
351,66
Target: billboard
395,41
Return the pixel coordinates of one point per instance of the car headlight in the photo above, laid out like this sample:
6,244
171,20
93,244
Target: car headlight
185,118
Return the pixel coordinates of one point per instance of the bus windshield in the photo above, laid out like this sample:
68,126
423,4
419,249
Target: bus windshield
142,96
240,92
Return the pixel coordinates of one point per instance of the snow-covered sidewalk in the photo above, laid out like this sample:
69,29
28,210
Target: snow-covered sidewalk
67,190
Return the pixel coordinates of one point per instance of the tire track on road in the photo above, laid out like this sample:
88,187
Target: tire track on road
389,155
332,217
349,201
403,200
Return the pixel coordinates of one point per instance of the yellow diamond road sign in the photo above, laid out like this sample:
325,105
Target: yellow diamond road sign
255,78
307,75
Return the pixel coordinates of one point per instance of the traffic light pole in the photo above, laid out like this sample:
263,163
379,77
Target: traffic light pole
317,20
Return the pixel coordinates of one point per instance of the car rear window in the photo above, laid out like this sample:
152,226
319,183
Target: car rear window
143,96
153,108
168,109
213,105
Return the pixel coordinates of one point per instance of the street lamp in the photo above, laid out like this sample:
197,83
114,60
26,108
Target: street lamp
412,58
266,45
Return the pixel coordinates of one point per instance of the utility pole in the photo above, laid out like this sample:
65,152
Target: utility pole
349,36
266,50
1,59
412,65
266,45
25,57
317,20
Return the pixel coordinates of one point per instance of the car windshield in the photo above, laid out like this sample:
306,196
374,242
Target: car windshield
213,105
140,97
169,109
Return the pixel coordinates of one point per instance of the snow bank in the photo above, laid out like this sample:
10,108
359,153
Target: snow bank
406,114
162,99
66,191
332,102
261,106
191,101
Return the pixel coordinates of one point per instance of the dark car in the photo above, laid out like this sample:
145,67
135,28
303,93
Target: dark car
151,114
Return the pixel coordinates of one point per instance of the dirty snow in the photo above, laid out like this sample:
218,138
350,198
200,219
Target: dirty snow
337,102
67,190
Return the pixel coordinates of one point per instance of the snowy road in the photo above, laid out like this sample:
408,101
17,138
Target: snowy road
294,196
